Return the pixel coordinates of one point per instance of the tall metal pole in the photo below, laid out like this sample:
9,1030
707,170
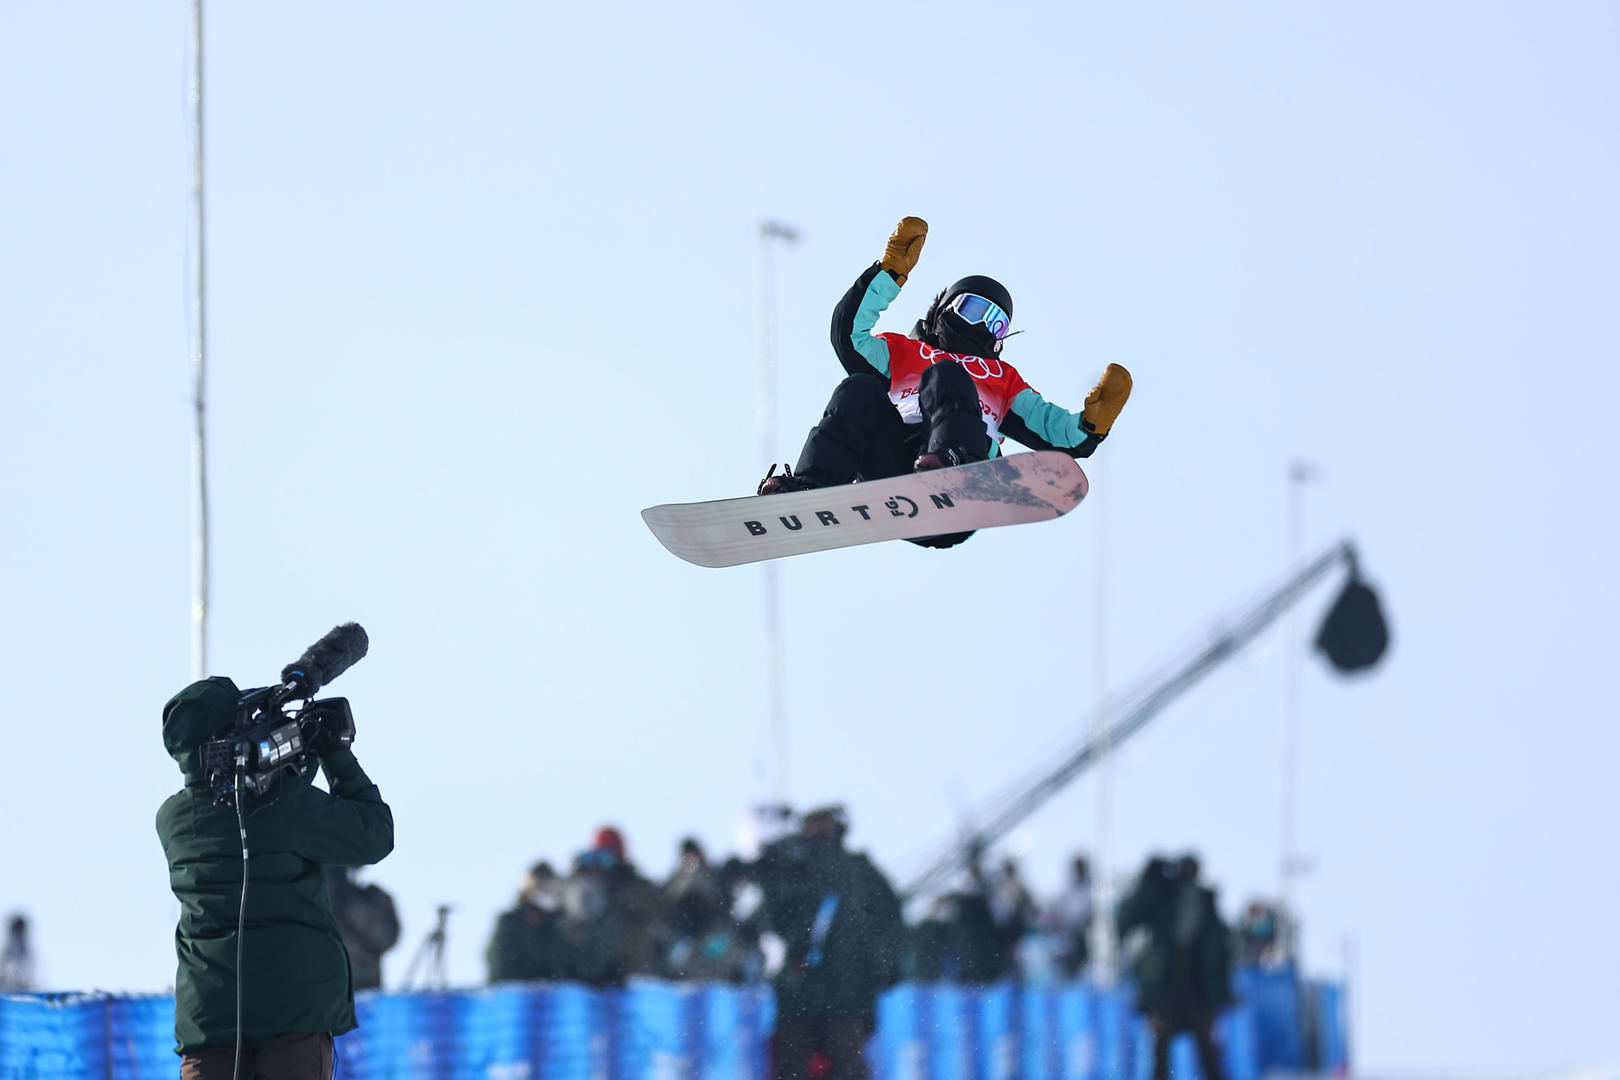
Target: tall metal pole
768,231
1300,473
199,359
1102,880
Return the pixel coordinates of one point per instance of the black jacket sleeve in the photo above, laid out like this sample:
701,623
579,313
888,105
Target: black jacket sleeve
856,314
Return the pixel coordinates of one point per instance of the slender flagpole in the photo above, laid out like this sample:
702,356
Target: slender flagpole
777,715
1289,864
199,360
1102,881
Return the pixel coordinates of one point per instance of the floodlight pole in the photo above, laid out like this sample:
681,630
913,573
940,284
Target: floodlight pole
199,360
768,231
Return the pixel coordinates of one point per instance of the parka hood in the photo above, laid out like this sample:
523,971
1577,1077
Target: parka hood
196,714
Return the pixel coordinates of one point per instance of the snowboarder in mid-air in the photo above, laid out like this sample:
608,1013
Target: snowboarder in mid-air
942,396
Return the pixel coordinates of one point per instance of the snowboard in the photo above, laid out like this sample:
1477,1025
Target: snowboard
1002,491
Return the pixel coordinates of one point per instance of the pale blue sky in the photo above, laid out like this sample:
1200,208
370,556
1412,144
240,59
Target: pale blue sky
482,286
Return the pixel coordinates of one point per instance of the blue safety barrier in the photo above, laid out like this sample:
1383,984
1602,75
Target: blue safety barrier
1276,999
1039,1047
690,1031
1076,1019
61,1036
140,1036
1331,1026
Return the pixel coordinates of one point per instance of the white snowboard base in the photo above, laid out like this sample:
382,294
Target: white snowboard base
1002,491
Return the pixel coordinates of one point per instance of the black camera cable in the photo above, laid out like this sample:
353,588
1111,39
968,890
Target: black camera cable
241,926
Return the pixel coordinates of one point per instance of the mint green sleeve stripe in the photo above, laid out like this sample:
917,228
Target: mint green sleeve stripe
879,295
1056,425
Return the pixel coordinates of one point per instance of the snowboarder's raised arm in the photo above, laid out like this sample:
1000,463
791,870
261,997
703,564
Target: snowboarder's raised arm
1041,425
859,350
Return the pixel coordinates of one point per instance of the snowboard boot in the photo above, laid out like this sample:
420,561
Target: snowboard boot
777,485
950,407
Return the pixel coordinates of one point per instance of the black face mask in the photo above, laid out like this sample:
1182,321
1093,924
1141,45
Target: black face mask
956,336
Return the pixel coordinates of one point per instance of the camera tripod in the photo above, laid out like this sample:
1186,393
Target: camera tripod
432,951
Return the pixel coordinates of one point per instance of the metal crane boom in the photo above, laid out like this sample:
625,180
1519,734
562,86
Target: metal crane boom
1136,711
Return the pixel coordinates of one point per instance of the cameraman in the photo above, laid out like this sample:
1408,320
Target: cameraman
295,984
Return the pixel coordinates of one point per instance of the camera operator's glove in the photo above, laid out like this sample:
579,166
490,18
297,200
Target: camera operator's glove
904,248
334,731
1109,396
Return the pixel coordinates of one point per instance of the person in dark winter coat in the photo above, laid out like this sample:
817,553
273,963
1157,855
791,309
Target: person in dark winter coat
635,904
368,921
841,924
529,944
706,945
17,958
692,893
1015,915
957,940
296,985
616,923
1183,974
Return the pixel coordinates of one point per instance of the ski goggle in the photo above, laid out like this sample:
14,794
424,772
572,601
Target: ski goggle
976,309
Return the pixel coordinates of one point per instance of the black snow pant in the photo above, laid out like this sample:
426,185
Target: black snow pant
1196,1020
820,1048
861,435
283,1057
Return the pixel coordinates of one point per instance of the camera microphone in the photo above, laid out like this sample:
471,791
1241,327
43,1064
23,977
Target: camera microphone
335,653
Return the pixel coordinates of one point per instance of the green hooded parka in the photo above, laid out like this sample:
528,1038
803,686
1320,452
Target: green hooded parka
295,972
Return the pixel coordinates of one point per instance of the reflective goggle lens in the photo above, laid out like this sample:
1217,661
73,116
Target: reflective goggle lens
976,309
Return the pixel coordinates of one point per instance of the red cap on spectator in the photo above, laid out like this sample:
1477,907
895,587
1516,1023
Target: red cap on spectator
610,839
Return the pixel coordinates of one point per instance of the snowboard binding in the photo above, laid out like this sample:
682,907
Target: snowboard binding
777,485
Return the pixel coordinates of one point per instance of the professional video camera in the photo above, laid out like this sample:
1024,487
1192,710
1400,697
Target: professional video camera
278,727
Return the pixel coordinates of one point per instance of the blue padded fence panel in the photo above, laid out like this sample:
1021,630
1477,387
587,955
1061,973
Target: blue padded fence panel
1332,1028
900,1050
495,1034
767,1024
1077,1033
652,1034
664,1031
1038,1044
576,1033
1240,1052
1115,1035
997,1041
733,1026
950,1029
1275,998
140,1037
401,1037
53,1037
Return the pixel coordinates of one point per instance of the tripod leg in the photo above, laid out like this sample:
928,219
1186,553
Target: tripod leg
410,972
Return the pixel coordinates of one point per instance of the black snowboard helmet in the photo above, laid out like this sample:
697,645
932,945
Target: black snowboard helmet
944,328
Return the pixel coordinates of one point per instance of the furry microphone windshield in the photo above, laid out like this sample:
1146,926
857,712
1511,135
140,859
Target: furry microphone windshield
325,660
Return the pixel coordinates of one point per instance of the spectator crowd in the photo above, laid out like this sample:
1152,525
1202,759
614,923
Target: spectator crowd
602,920
825,927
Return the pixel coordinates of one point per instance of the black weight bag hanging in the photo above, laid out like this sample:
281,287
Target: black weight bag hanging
1354,635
